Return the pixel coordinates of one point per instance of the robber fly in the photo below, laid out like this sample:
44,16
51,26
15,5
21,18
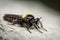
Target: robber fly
26,20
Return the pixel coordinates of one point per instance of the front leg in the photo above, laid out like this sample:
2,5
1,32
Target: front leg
37,28
42,26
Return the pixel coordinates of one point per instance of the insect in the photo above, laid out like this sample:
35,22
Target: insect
26,20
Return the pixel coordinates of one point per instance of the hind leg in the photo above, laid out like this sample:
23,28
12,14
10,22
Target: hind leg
13,22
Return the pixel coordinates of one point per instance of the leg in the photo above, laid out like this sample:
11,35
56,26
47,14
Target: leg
42,25
37,28
13,22
27,28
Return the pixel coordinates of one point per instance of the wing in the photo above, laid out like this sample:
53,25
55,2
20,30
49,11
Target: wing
11,17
